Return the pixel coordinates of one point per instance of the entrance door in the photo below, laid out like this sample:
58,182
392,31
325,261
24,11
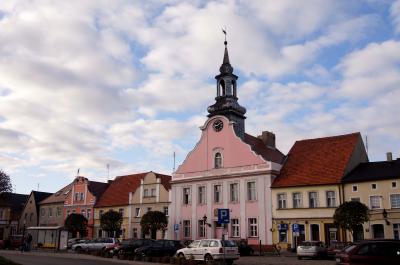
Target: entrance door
314,232
358,233
331,233
300,238
378,231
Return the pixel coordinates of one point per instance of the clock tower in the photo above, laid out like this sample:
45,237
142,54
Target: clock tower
226,100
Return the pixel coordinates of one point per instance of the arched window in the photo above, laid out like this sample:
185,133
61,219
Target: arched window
218,160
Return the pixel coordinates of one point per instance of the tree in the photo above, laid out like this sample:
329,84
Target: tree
111,221
153,221
76,223
351,215
5,182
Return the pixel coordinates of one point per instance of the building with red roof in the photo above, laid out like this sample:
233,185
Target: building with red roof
308,189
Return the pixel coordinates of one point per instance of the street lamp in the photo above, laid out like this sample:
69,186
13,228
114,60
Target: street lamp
205,223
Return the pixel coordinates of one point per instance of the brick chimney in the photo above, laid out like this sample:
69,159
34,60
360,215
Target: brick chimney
389,156
268,139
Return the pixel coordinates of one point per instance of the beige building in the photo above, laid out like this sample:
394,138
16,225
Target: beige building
30,213
153,194
308,189
132,196
51,209
377,185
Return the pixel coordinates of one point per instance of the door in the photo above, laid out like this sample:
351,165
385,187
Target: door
378,231
314,232
358,233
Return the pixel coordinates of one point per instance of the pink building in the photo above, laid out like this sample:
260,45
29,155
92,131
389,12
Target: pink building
228,168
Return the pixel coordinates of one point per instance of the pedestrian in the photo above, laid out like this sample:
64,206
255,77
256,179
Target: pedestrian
29,242
22,247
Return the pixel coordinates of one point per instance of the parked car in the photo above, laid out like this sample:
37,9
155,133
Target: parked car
336,247
127,249
13,242
160,248
210,249
386,252
73,241
110,251
311,249
96,244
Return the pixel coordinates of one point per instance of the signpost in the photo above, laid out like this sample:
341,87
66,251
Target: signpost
223,218
176,230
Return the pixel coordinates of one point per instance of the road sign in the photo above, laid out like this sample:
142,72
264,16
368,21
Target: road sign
176,227
296,228
223,216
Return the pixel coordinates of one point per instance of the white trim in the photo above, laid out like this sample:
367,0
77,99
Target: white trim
390,200
380,201
221,200
352,188
255,189
391,184
376,186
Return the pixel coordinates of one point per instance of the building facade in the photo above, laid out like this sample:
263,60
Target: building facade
308,189
82,198
11,207
30,213
51,209
377,185
227,169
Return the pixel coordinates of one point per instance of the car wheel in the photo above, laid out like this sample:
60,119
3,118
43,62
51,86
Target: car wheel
208,259
78,250
181,256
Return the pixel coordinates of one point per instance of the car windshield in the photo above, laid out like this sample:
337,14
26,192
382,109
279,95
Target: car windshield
349,248
228,243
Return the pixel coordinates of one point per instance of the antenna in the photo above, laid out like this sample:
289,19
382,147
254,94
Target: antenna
77,173
108,172
366,143
38,185
173,169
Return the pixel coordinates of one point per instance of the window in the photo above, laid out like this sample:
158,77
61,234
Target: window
89,214
296,200
282,235
251,191
253,228
313,199
355,188
202,194
76,196
186,228
82,196
153,192
234,192
135,232
146,193
187,198
394,184
375,202
395,200
202,228
137,212
281,200
165,210
59,211
218,160
330,199
373,186
50,212
217,193
121,211
355,199
83,212
396,231
68,212
235,228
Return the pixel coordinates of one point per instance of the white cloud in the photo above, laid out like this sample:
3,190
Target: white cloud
395,15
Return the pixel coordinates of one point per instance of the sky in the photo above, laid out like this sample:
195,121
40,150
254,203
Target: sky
86,84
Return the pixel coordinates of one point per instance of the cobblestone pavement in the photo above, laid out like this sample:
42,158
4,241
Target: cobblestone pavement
51,258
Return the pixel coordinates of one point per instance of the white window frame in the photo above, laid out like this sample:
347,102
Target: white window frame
201,228
82,196
330,199
380,202
231,184
235,227
201,194
137,211
376,186
219,193
121,211
253,227
89,214
251,191
145,193
281,201
189,196
316,202
50,212
153,192
187,228
166,210
395,184
391,201
218,163
300,204
356,188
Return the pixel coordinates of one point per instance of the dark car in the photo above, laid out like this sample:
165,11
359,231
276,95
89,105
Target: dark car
386,252
160,248
127,249
13,242
336,247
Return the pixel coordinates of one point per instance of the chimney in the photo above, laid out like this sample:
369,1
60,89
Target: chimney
389,156
268,138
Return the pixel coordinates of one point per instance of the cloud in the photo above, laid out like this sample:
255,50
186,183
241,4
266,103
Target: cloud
395,15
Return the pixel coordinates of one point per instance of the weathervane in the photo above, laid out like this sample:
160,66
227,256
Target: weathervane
224,31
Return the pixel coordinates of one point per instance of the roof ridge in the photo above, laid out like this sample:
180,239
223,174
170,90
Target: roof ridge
330,137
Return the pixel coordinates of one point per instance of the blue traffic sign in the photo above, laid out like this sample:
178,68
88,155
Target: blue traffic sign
176,227
223,216
296,228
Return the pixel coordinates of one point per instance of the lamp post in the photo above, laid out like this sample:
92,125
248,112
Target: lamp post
205,223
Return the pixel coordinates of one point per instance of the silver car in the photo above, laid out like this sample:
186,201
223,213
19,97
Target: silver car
311,249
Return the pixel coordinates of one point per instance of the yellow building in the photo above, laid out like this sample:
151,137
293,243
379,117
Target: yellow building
308,189
377,185
128,193
152,195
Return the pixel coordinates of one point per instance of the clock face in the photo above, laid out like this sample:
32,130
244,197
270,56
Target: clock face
218,125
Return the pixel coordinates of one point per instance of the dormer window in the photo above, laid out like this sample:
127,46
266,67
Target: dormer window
218,160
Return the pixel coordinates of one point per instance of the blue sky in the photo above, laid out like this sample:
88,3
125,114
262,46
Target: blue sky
84,84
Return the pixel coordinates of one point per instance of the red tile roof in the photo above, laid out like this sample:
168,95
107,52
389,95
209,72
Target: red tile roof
317,161
118,192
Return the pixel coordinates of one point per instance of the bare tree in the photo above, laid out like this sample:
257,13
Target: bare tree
5,182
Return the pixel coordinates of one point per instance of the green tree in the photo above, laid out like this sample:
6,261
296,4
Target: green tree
111,221
76,223
5,182
153,221
351,215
